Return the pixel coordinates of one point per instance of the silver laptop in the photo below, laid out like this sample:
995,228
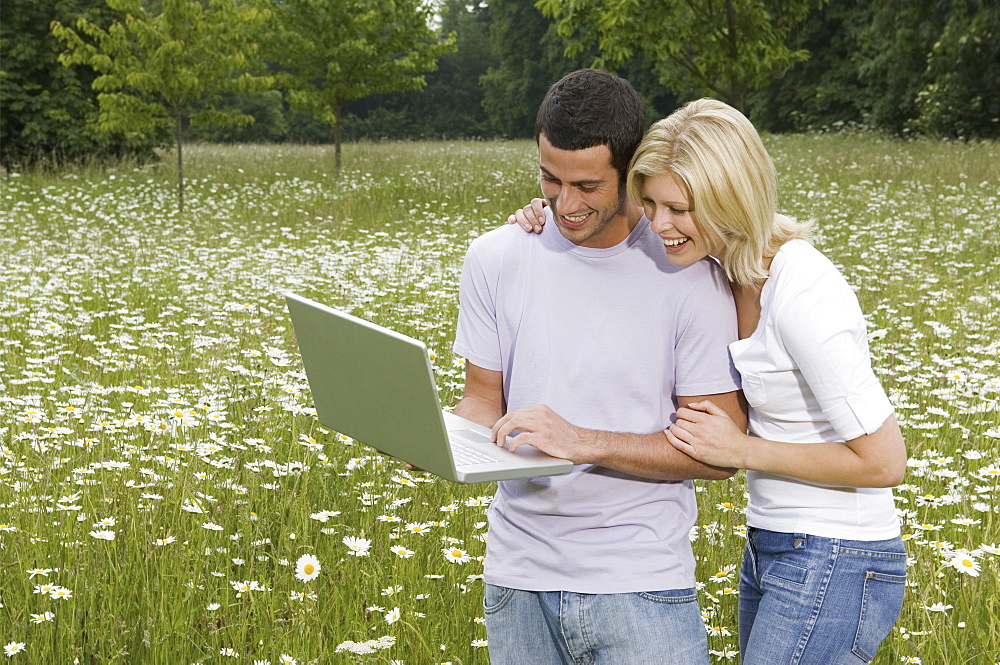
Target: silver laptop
377,386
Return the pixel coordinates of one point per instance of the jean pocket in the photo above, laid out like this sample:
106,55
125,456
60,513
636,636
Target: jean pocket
785,575
671,596
881,603
495,598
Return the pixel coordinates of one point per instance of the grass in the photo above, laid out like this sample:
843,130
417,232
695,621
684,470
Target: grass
150,387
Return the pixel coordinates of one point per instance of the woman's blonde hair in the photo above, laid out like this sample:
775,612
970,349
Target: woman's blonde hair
730,180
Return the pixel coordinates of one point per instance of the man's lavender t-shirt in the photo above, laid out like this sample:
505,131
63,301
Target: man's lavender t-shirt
606,338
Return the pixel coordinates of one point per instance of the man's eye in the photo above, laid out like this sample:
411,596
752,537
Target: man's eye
588,190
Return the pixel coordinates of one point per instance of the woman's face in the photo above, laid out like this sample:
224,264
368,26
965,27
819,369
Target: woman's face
666,204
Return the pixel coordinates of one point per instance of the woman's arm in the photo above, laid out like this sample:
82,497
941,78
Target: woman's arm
707,434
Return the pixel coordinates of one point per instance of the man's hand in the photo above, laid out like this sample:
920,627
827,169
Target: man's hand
531,217
706,433
546,430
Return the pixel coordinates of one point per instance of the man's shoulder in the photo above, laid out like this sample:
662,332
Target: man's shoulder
497,242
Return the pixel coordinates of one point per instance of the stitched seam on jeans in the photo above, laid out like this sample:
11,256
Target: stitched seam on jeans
668,600
807,630
872,554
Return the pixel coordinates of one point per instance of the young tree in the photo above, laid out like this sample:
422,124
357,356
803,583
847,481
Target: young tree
333,51
154,68
724,48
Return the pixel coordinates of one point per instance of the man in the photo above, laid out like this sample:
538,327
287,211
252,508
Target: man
585,338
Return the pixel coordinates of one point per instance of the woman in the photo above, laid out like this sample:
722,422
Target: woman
824,567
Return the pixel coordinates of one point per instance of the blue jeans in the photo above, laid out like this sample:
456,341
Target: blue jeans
565,628
807,600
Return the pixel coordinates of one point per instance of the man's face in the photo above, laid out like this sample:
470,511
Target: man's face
584,191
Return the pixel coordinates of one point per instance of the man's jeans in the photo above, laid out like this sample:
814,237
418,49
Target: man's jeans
560,627
807,600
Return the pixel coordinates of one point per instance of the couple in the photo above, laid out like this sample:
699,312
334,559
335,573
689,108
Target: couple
606,339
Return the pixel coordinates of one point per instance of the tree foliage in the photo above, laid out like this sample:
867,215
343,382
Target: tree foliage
49,111
724,48
962,95
154,69
334,52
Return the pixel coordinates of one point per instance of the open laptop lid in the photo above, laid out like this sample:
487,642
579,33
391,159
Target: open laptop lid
376,388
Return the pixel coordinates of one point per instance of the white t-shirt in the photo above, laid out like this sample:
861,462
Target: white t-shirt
807,376
606,338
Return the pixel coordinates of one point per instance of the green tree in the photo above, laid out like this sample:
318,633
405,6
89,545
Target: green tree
825,90
49,111
724,48
334,51
962,95
892,42
156,69
451,104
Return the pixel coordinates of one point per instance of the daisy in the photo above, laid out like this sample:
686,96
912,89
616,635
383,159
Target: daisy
963,562
937,607
44,572
479,643
61,593
358,546
285,659
456,555
401,551
307,568
12,648
392,616
42,618
103,535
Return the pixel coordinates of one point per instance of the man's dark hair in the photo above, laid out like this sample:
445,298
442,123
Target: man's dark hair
591,107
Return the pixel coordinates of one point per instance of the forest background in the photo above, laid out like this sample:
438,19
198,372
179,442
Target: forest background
902,68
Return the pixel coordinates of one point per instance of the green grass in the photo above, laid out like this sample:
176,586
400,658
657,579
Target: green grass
147,370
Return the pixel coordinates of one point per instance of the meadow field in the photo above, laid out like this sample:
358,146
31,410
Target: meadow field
168,496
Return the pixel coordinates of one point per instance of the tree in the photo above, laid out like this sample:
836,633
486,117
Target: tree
825,90
724,48
49,111
451,104
893,40
962,95
155,68
531,58
333,51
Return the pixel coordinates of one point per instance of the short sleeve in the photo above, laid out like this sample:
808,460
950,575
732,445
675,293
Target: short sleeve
476,337
707,325
823,330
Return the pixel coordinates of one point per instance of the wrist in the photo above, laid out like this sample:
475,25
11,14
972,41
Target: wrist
596,449
751,452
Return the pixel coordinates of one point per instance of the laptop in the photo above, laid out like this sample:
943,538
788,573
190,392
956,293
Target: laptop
377,386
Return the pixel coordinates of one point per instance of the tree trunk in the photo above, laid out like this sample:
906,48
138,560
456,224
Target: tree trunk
180,164
336,140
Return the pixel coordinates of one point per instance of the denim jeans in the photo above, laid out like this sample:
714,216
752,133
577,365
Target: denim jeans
807,600
564,628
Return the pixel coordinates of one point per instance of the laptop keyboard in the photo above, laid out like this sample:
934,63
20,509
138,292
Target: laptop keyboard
465,451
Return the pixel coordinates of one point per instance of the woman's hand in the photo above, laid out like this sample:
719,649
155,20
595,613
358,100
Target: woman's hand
704,432
531,217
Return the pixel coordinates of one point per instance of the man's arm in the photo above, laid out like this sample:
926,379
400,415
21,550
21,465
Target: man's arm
482,400
872,460
645,455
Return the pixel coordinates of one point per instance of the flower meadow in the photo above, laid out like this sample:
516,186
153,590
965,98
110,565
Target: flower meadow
168,496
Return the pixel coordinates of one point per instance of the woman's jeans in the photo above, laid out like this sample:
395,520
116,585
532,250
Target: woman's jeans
807,600
565,628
